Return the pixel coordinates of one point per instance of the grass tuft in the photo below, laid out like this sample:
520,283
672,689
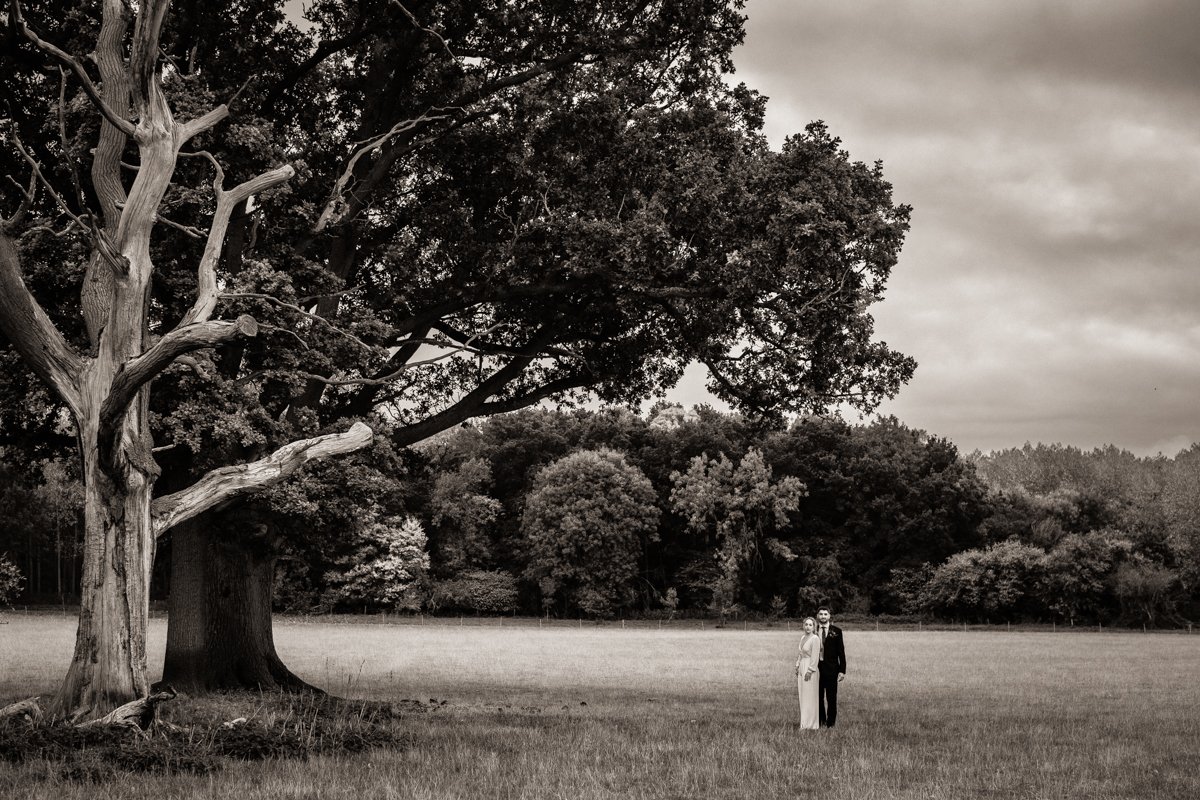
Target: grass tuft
198,737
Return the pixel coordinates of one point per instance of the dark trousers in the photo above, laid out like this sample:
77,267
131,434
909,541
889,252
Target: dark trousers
827,699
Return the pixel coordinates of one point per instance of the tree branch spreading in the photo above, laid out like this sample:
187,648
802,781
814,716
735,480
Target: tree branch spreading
224,483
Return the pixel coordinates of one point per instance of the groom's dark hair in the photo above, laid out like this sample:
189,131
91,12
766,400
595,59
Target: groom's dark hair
823,608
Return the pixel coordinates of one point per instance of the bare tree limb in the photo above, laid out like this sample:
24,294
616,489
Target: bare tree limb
139,371
224,483
227,201
420,27
62,137
110,60
30,710
27,195
203,123
186,230
336,206
89,88
143,54
298,310
100,240
31,332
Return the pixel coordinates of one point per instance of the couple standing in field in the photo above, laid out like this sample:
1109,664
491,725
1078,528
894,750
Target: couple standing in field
820,667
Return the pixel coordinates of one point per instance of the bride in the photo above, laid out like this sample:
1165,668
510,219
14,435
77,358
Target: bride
807,680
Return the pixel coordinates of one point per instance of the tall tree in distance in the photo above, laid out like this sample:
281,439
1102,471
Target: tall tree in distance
442,209
739,506
585,521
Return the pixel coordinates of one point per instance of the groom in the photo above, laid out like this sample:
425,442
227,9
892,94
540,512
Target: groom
832,666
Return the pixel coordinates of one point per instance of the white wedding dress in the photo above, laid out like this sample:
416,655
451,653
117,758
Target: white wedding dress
810,654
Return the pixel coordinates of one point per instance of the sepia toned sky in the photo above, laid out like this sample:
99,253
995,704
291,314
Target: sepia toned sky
1050,286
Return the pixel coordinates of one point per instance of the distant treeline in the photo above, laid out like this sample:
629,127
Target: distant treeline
611,513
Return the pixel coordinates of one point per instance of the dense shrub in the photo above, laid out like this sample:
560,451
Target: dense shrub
1078,574
904,590
10,581
990,585
385,569
477,592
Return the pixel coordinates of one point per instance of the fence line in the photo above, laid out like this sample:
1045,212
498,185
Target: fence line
669,623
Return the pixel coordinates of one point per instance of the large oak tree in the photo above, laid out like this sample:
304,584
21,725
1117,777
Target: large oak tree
437,209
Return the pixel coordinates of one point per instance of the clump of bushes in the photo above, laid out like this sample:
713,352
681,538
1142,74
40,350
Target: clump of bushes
476,592
10,581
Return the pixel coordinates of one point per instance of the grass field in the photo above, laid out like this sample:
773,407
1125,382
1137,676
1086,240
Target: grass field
605,712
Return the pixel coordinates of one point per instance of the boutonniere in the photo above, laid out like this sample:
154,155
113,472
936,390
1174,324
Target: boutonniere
832,634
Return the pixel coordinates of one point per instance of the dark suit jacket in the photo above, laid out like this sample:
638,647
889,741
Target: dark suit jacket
834,658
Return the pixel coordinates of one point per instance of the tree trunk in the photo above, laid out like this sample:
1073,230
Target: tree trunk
108,667
219,633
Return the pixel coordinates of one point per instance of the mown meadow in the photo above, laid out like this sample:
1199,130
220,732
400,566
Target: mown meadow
519,710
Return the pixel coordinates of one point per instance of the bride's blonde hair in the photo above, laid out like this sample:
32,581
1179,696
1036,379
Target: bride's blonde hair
813,620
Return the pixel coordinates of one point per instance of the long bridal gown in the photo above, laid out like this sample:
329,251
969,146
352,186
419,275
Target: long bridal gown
810,654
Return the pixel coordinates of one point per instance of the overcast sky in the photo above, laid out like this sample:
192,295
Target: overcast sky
1050,286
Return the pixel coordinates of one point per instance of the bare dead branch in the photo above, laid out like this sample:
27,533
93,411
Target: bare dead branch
139,371
62,136
186,230
89,88
138,715
227,201
233,100
30,710
70,226
312,298
336,205
100,240
32,333
420,27
27,195
203,123
109,56
302,312
144,52
286,332
224,483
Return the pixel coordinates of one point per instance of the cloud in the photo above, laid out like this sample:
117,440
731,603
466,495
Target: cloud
1050,286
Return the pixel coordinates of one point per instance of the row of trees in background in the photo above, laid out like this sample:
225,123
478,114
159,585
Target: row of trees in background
606,513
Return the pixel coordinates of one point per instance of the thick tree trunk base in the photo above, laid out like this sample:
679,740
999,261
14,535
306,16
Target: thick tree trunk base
219,634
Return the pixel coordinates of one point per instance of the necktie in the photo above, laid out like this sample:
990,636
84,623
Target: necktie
822,656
